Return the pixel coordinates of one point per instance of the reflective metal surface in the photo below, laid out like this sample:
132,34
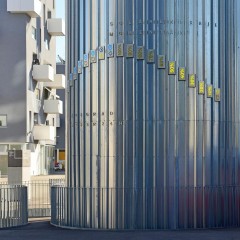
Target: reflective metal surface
219,208
134,123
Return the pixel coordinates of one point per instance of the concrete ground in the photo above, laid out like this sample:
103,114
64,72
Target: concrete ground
41,229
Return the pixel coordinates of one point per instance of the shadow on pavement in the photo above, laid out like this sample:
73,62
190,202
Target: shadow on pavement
42,230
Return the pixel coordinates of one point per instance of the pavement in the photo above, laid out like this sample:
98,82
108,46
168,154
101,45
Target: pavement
42,230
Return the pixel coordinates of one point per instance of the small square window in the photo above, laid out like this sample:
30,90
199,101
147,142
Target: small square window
3,120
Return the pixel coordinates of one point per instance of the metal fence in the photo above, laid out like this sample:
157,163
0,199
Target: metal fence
13,206
39,199
39,204
193,207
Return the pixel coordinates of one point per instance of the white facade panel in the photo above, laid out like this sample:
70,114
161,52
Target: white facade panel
30,7
56,27
43,73
53,106
58,83
43,132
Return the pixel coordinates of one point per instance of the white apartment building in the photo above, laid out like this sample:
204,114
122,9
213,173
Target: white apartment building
29,105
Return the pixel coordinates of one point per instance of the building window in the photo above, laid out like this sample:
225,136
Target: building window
46,94
34,33
35,59
3,120
40,40
44,14
37,93
3,148
49,14
16,147
53,4
47,44
35,118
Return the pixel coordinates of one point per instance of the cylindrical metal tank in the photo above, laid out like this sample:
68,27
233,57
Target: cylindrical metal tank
153,113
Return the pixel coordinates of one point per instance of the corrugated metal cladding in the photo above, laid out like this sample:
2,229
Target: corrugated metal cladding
153,106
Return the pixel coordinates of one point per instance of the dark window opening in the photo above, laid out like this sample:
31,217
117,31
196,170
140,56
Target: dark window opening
46,94
49,14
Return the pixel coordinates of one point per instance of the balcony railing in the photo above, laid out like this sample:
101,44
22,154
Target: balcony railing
43,73
58,83
53,106
43,133
31,7
56,26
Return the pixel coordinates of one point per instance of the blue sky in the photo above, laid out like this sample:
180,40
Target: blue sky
60,13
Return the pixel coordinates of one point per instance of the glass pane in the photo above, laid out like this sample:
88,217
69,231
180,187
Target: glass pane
3,147
16,147
3,120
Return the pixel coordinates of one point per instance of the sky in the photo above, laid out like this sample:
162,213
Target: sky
60,13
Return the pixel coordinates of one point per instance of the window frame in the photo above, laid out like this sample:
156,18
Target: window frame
3,126
34,33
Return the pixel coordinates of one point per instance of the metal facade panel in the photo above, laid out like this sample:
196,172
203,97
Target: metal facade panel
146,149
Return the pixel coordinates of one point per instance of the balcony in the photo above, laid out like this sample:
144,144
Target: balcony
56,26
58,83
43,73
44,133
53,106
31,7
